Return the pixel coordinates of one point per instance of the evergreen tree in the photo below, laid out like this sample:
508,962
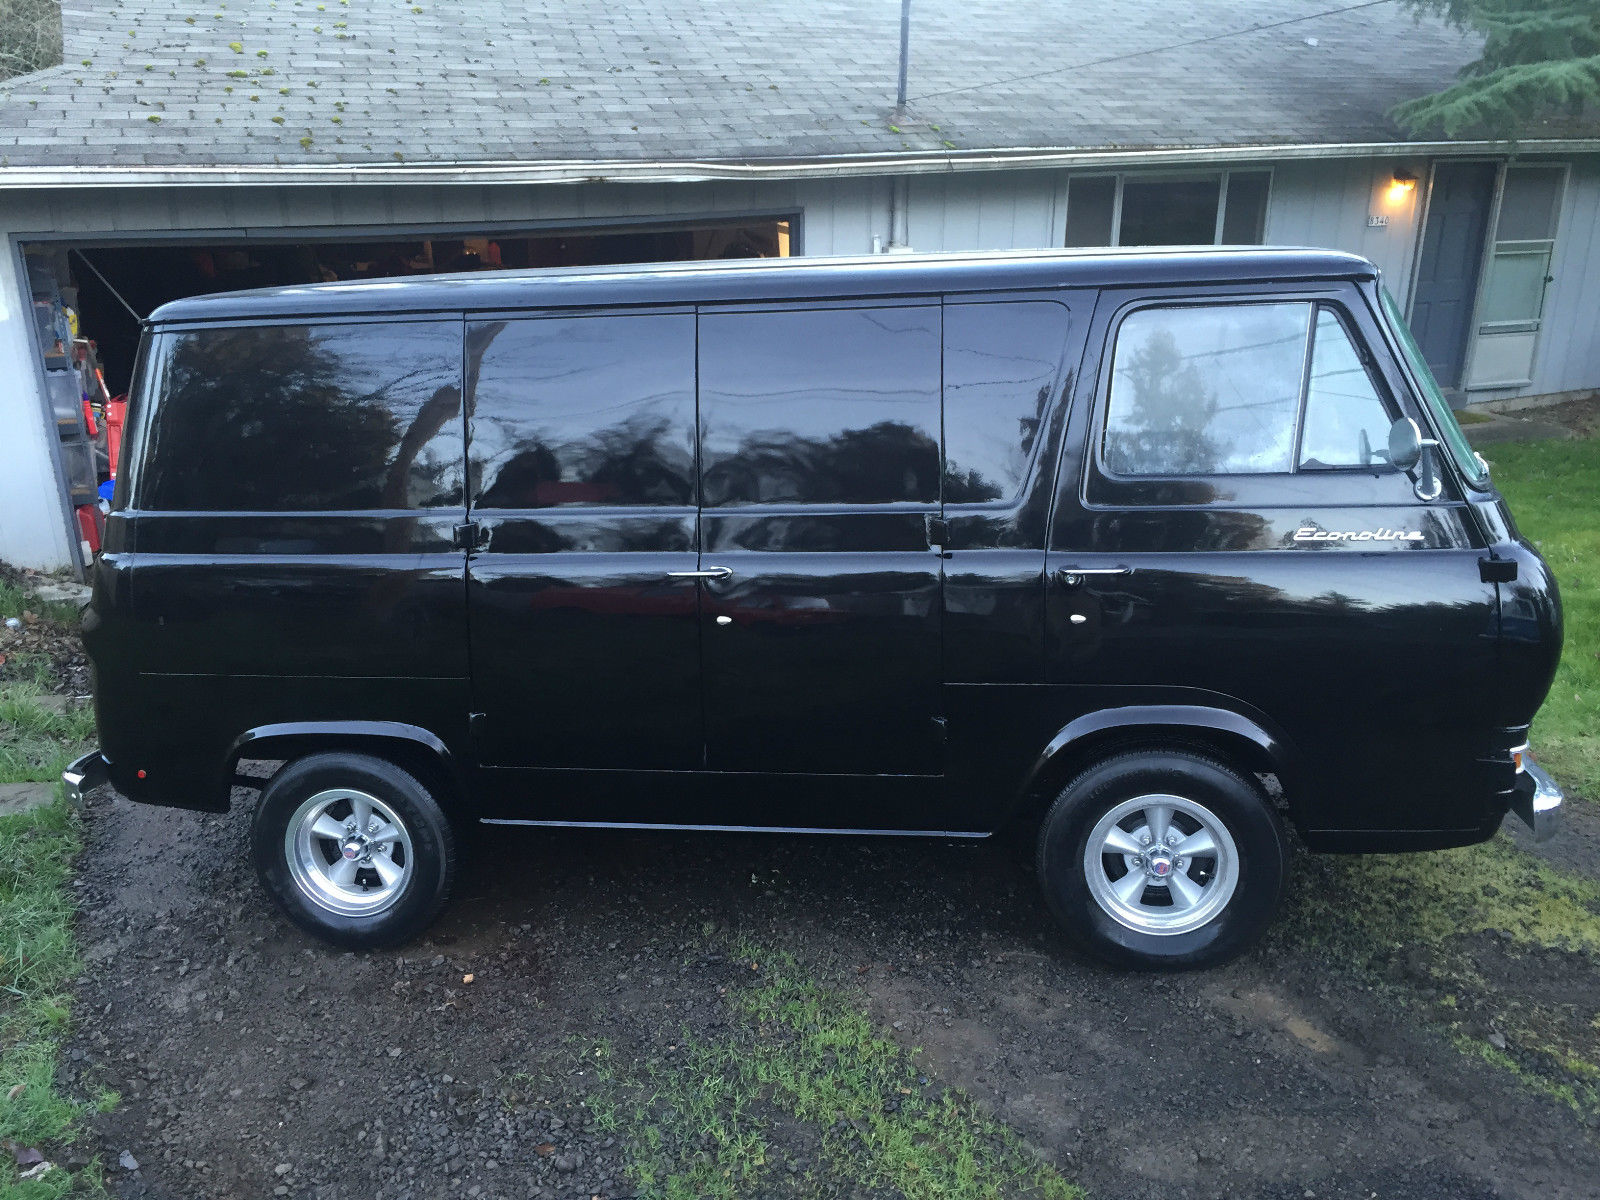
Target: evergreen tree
1540,57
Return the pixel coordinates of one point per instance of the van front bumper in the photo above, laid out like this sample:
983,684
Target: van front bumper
86,774
1537,800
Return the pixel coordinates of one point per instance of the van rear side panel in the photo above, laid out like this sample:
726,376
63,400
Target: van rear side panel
286,547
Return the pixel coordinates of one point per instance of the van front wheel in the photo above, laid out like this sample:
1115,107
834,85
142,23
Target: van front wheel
1163,859
353,849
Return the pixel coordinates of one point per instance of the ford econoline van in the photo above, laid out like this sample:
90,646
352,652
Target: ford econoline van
1159,552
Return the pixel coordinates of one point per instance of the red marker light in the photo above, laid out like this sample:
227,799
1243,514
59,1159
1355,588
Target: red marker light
141,774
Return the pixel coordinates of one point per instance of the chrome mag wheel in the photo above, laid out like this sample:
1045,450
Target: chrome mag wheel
1161,864
348,852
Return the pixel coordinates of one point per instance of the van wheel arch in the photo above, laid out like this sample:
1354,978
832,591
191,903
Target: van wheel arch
413,750
1068,757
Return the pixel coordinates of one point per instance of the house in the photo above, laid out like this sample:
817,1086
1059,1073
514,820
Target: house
186,147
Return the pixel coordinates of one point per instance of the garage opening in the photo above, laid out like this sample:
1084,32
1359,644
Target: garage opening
82,294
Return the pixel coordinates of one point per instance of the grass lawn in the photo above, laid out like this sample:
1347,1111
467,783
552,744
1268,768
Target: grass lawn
1554,491
38,958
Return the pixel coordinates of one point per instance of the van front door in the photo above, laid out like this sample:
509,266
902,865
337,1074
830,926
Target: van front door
821,596
581,597
1227,534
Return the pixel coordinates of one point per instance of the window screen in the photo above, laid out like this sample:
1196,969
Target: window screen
1244,220
1000,362
582,411
307,418
820,406
1346,422
1206,389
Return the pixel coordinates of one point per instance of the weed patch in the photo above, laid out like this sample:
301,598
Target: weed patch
38,741
38,961
1496,950
703,1115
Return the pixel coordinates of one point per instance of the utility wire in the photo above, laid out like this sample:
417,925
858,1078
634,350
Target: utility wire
1200,41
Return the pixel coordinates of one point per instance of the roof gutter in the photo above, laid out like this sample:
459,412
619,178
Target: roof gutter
692,171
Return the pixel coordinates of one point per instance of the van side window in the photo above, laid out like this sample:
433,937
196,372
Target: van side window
593,410
1206,389
307,418
1346,421
1000,364
820,406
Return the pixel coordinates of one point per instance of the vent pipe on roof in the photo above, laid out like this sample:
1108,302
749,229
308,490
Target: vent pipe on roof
905,54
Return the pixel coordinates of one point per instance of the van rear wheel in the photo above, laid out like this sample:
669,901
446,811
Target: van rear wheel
353,849
1163,860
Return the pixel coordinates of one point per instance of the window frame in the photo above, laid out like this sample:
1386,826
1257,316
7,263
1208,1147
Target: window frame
1221,174
160,337
471,317
1101,488
1380,387
1060,387
933,301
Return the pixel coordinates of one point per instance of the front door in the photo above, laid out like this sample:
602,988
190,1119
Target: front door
821,596
1447,275
1232,539
581,597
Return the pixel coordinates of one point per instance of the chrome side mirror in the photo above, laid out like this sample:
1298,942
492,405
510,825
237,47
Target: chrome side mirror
1410,451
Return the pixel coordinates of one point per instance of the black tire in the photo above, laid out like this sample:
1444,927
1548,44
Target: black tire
431,849
1234,799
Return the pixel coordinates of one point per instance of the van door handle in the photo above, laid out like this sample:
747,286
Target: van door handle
708,573
1074,576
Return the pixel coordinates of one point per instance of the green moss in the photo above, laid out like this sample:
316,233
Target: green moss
1389,900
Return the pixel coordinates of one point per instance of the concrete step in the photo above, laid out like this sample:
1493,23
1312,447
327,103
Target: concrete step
24,797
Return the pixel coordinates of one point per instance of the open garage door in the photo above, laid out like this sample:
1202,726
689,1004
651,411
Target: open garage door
88,296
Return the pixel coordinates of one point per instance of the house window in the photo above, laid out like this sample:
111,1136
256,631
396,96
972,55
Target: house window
1223,208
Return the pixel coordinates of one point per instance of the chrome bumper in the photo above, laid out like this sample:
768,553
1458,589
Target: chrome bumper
84,775
1537,800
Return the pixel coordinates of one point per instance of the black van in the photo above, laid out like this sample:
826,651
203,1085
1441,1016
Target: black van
1153,550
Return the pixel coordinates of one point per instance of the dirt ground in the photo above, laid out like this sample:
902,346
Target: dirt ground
254,1062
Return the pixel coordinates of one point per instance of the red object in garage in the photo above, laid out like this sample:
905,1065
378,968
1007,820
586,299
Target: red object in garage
116,413
90,522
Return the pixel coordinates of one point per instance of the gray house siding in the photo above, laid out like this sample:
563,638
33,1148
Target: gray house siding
1320,202
1569,345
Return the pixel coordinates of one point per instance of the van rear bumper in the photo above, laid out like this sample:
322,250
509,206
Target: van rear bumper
1537,800
86,774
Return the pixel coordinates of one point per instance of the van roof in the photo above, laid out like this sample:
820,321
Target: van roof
735,280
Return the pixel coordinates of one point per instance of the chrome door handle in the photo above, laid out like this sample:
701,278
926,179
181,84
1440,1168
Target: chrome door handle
1074,576
708,573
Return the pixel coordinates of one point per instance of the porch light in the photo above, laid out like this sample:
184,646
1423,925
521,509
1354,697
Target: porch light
1401,185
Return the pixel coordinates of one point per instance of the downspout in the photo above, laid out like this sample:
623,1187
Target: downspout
899,215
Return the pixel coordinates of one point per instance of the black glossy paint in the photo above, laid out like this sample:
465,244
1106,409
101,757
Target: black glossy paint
488,555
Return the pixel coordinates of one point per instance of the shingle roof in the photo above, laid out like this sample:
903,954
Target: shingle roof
251,82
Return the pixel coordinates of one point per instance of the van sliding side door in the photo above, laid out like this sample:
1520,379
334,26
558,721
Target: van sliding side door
581,592
820,459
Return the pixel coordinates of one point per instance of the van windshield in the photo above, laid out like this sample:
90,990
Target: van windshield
1471,465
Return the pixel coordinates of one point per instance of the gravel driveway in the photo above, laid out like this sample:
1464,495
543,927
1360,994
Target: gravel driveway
253,1062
